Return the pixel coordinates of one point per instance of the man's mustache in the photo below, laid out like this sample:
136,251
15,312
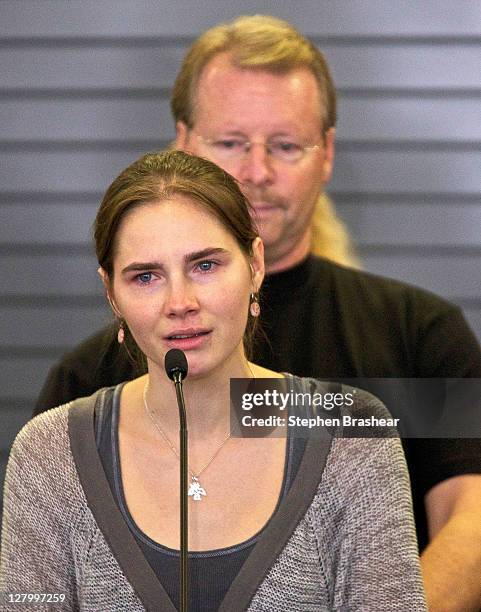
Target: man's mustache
264,197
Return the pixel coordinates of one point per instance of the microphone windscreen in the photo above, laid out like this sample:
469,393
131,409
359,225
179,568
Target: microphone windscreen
176,361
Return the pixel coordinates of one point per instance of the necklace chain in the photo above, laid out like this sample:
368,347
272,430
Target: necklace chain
195,477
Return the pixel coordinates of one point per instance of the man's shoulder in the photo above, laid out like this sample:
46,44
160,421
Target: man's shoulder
96,346
376,289
99,358
99,361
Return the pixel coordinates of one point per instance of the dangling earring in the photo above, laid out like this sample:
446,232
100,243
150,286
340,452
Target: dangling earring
255,308
121,333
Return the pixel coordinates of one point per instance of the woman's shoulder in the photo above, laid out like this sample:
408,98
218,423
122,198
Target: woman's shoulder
46,430
340,399
309,383
40,459
46,435
262,372
363,430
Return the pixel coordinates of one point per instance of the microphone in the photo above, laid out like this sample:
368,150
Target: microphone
176,366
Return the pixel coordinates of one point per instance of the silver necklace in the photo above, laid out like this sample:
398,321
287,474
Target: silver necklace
196,491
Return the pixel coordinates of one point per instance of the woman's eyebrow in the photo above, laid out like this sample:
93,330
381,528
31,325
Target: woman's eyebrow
204,253
140,265
156,265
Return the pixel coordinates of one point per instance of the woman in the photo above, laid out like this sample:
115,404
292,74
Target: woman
276,523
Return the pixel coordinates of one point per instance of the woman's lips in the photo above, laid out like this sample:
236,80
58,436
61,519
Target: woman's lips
188,339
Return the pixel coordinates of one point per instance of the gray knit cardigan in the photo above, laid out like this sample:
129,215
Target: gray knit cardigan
343,539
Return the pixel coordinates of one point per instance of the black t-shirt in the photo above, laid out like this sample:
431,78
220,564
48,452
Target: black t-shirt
326,321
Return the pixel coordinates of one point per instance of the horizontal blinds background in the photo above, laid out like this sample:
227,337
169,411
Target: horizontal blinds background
84,89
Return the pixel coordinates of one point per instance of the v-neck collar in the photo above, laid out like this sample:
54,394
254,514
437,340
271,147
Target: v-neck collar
127,552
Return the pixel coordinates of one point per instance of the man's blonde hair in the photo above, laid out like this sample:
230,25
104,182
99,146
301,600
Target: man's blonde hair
330,237
255,42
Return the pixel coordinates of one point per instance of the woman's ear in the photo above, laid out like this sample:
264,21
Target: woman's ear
104,276
106,283
257,264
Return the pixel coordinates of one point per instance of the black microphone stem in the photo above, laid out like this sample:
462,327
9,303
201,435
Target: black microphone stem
184,516
176,368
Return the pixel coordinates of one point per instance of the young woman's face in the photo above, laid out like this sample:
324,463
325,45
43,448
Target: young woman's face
181,281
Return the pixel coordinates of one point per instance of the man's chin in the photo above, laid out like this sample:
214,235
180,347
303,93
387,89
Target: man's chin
269,228
272,237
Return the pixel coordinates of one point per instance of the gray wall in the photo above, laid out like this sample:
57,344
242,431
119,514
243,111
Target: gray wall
84,90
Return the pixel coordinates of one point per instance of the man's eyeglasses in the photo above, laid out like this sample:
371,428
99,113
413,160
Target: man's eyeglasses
232,148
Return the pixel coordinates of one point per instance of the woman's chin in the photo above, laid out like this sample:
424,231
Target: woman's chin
198,371
205,369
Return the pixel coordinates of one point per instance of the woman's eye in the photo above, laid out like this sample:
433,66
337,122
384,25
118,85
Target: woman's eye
144,278
206,266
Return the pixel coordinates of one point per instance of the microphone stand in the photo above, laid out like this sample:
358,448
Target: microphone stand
184,516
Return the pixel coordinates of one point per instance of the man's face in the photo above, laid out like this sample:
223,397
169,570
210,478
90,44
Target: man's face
235,105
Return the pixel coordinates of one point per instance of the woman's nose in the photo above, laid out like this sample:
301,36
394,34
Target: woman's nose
180,298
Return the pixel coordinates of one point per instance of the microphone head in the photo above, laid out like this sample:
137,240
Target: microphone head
176,363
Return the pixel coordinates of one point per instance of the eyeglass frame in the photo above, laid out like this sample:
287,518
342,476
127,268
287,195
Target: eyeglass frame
247,145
